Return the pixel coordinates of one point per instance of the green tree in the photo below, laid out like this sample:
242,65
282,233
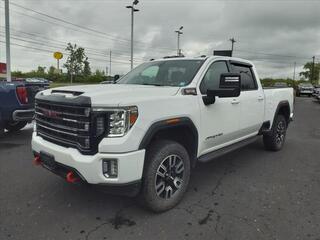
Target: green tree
307,74
99,73
75,61
86,68
41,70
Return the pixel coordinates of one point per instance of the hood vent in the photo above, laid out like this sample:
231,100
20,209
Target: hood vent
73,93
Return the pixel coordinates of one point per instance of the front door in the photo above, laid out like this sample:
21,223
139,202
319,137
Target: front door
219,121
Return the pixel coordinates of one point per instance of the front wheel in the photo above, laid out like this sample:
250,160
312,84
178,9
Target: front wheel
166,175
275,139
14,126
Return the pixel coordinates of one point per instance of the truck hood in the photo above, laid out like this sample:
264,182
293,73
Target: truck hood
119,94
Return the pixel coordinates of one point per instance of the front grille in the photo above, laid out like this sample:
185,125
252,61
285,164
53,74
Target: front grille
65,125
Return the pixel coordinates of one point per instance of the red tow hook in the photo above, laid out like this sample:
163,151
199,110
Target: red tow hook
36,161
71,178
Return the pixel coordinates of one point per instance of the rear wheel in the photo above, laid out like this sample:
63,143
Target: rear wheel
275,139
14,126
166,175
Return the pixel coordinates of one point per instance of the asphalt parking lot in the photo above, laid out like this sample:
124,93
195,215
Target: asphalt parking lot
248,194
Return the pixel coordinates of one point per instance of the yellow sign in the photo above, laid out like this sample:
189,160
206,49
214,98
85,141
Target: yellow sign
58,55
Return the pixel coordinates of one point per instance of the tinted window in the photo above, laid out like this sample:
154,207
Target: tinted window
150,73
212,78
163,73
247,80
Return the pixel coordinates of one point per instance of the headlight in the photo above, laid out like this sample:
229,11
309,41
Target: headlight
119,121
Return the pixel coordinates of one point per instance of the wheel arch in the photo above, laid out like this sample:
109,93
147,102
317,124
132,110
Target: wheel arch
283,108
180,129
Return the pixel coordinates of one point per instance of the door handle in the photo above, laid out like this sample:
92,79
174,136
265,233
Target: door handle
260,98
235,101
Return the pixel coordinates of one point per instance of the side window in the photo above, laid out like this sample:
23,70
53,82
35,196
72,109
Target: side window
247,80
212,78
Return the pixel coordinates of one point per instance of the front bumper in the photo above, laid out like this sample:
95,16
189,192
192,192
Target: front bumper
23,115
130,165
305,91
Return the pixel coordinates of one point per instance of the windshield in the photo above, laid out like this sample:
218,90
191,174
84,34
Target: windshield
163,73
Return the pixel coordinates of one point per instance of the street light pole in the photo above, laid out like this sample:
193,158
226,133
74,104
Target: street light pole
110,62
294,71
233,41
179,32
8,54
312,73
133,9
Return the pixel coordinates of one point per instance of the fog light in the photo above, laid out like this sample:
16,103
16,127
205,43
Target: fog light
86,143
110,168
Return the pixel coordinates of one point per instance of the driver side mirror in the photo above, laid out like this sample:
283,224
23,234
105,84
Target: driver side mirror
115,78
230,85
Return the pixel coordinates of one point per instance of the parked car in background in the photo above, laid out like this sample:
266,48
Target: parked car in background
304,89
17,103
38,80
316,91
280,85
145,134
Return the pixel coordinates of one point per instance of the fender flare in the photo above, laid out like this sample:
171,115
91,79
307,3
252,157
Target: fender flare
281,105
168,124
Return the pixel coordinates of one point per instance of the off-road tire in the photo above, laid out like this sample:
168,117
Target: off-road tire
274,140
157,155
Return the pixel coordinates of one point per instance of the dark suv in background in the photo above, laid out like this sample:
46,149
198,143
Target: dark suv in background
17,103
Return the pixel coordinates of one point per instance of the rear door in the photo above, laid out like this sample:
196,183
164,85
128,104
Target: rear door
251,99
219,121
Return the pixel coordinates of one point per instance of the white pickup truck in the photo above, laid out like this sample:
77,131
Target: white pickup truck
145,134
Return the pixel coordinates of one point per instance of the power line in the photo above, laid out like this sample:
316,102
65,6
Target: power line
116,52
114,38
84,31
50,51
270,54
33,41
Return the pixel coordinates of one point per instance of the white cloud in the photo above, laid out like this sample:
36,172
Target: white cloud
289,28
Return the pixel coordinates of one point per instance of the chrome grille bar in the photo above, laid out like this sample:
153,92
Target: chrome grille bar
65,125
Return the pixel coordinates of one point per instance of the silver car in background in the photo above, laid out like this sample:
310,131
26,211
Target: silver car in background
304,89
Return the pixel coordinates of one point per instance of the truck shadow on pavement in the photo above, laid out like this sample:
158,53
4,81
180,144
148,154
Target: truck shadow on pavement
200,205
12,140
210,200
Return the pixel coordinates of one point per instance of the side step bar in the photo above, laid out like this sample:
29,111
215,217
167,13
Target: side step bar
218,153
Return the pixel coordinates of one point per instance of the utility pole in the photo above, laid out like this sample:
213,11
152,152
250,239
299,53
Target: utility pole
294,71
8,54
110,63
233,41
179,32
312,74
133,9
